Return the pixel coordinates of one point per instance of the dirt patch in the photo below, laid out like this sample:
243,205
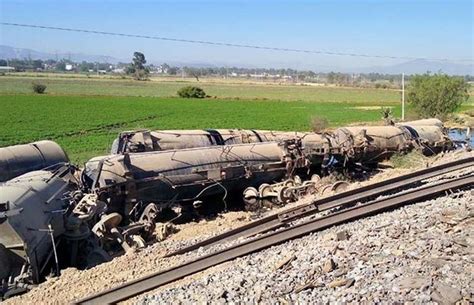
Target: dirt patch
371,107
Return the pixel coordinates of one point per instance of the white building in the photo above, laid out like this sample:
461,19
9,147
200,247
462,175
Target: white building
6,69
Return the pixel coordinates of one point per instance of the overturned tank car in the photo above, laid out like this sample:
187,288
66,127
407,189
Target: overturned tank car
129,181
372,144
429,139
19,159
423,122
317,147
48,223
32,219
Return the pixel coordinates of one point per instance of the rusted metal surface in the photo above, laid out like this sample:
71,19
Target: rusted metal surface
20,159
371,144
146,140
153,281
423,122
430,139
189,174
47,223
315,145
31,216
361,144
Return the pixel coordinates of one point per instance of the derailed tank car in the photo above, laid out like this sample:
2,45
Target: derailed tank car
423,122
319,148
32,209
430,139
19,159
372,144
183,176
316,147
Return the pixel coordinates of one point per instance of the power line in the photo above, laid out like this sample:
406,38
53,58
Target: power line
224,44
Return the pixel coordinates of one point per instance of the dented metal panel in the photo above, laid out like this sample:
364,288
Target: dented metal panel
430,139
371,143
32,204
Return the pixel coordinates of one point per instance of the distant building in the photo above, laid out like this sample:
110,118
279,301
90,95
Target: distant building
162,69
69,67
6,69
118,70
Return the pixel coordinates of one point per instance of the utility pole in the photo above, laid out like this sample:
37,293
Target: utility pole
403,96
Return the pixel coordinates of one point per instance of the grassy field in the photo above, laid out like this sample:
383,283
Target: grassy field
163,87
86,126
85,115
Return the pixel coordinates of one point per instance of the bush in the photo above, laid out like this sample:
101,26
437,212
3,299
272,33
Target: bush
437,95
39,88
408,161
191,92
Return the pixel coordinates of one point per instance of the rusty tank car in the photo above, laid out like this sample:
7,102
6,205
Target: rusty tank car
423,122
430,139
48,223
31,221
372,144
19,159
317,147
187,175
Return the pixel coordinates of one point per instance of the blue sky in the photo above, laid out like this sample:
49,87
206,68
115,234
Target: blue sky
432,29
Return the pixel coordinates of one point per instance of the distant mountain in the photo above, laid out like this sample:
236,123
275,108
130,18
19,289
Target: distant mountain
8,52
422,66
411,67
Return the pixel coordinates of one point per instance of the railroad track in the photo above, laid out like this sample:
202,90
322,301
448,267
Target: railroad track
158,279
362,194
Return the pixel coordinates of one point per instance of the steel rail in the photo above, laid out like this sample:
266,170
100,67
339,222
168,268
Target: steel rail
158,279
346,198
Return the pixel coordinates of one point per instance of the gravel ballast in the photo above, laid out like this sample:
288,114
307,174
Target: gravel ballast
420,253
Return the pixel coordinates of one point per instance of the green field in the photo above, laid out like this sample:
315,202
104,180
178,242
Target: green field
220,89
84,116
86,126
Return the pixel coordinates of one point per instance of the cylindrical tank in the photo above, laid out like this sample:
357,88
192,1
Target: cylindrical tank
315,145
423,122
186,174
31,212
371,143
431,138
19,159
145,140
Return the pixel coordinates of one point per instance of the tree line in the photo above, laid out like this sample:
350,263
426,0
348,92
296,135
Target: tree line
140,70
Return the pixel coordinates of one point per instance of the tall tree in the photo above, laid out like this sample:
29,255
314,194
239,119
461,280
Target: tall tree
138,61
137,67
437,95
